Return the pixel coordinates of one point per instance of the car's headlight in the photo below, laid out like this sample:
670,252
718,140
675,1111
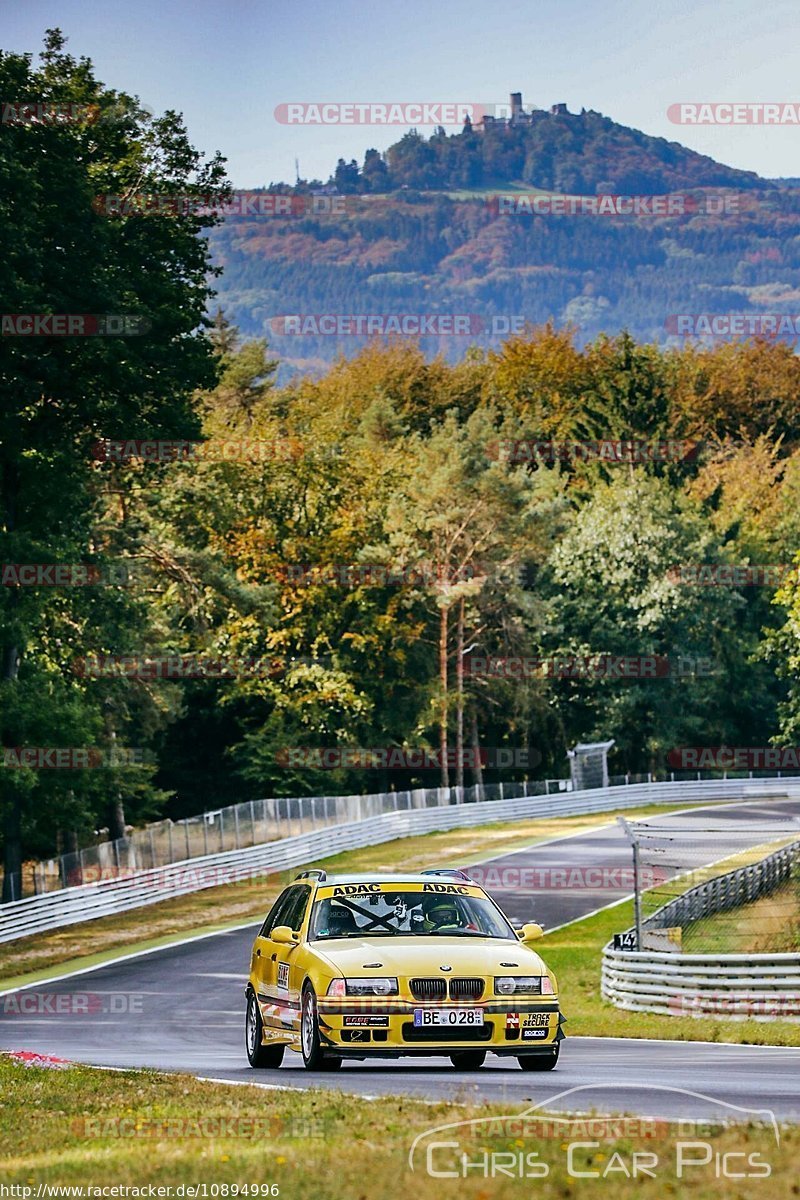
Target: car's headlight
523,985
376,986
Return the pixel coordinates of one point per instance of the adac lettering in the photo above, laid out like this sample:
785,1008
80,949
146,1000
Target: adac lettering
356,889
452,888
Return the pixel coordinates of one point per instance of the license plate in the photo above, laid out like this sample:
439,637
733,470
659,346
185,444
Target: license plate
451,1017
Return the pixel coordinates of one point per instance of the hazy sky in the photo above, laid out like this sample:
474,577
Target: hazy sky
226,66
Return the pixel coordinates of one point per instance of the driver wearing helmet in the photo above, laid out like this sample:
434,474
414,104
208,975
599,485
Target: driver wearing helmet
440,912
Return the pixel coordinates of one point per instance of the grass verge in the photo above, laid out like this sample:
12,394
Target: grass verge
92,942
87,1128
770,925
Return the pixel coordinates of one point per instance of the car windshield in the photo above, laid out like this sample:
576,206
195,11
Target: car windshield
403,913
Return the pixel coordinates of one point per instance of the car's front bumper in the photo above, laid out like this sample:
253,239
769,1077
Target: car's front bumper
362,1028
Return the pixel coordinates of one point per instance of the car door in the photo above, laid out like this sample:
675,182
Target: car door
288,974
262,964
280,984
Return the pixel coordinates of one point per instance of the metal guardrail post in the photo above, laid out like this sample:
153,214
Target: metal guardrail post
637,891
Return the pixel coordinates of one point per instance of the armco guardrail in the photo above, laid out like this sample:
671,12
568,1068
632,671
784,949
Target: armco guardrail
73,905
754,986
764,986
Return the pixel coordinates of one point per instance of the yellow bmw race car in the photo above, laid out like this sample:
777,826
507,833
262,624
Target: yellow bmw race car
380,966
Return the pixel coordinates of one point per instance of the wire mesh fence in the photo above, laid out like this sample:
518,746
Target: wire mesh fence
251,823
727,886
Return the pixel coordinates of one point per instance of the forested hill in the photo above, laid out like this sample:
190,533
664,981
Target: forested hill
420,230
569,152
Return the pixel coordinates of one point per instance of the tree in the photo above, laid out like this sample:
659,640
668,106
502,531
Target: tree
66,255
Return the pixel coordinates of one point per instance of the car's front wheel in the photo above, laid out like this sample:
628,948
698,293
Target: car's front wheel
468,1060
258,1055
310,1044
539,1062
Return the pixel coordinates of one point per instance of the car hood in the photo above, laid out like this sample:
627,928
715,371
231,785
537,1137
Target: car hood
420,955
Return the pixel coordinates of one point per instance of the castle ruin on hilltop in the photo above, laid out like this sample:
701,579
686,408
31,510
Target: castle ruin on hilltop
517,115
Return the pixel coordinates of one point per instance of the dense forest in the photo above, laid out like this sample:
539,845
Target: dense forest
338,561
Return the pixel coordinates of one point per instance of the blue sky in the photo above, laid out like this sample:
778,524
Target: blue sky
227,66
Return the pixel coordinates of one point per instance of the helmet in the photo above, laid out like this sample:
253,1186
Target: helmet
440,911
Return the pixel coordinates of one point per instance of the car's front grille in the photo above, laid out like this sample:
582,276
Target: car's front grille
428,989
466,989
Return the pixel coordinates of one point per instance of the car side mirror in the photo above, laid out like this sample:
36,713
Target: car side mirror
530,932
283,935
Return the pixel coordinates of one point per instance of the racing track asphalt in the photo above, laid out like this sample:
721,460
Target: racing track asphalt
181,1008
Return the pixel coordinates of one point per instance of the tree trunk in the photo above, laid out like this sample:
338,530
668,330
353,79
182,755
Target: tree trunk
445,774
116,818
460,697
12,849
476,756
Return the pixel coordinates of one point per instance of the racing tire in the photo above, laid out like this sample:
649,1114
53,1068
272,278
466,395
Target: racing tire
258,1055
314,1058
538,1062
468,1060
